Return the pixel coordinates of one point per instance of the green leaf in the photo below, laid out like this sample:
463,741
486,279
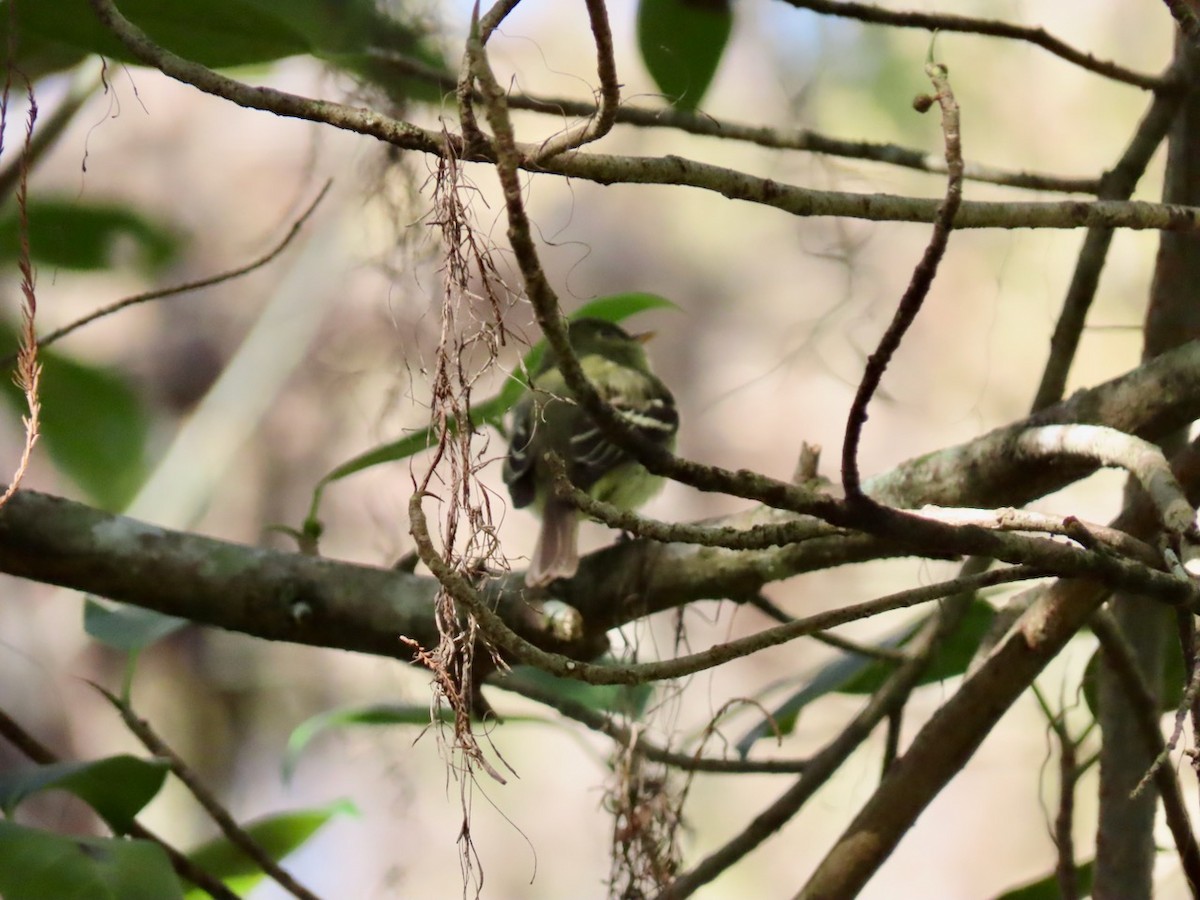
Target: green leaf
1171,688
384,714
127,628
856,673
277,835
39,865
614,308
949,660
624,699
381,714
352,34
1046,888
357,36
682,42
72,234
117,787
619,307
94,426
37,57
217,33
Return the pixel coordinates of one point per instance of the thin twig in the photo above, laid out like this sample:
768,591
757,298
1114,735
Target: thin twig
667,170
791,531
705,125
875,15
883,703
918,287
492,19
610,90
219,814
1109,447
628,738
885,654
39,753
186,287
1064,819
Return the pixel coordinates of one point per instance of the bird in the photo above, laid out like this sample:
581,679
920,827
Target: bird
548,419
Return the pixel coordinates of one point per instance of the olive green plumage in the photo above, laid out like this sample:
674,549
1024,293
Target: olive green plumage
548,420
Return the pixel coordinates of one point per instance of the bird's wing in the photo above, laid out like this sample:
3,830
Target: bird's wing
641,400
520,462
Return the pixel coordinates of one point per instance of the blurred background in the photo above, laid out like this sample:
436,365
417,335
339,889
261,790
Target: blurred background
249,392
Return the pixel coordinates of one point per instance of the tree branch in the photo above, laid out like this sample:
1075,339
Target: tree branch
865,12
665,170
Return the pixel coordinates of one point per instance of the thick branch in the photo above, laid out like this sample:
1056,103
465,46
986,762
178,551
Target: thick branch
298,598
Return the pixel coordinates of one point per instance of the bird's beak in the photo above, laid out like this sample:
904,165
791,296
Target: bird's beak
644,337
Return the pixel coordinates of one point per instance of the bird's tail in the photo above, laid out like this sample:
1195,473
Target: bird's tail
557,552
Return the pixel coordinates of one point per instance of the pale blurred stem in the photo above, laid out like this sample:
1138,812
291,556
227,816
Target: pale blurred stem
1117,184
1125,834
184,288
933,22
37,752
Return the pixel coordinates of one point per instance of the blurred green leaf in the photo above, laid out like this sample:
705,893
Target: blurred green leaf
354,35
857,673
277,835
1170,691
38,57
682,42
1046,888
385,714
382,714
117,787
127,628
218,33
40,865
624,699
949,660
614,308
94,426
83,236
